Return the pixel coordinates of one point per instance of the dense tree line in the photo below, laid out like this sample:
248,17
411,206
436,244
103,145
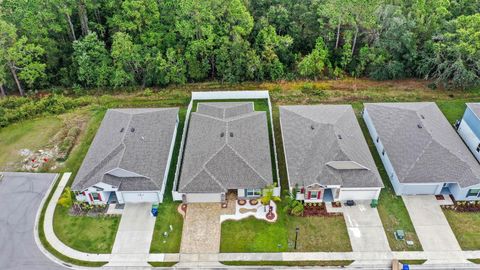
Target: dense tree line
99,43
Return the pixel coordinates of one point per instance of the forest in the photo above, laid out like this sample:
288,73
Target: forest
85,44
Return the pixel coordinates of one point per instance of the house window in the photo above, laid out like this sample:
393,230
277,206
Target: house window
253,192
95,196
478,147
313,195
473,193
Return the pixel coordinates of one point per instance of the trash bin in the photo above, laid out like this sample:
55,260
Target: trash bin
374,203
406,267
155,209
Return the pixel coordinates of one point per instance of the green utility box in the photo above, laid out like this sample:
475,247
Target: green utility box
374,203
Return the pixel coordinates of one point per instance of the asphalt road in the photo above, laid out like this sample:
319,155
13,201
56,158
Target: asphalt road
20,198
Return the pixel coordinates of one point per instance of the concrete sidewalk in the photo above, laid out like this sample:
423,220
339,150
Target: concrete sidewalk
134,236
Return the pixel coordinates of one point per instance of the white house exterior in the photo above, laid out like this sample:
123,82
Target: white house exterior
225,148
420,150
469,128
327,157
129,158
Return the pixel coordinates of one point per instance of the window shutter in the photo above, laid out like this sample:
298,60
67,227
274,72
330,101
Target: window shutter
302,191
91,197
99,196
309,194
319,195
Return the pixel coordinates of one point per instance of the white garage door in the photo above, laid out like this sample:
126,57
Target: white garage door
358,194
419,189
203,197
135,197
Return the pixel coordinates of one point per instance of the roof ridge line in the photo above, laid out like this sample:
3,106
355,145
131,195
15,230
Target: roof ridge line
248,164
214,178
417,159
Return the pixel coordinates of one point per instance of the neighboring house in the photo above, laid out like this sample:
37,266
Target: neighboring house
469,128
226,150
129,158
327,157
421,151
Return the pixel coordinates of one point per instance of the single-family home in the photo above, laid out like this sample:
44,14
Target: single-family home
129,158
469,128
327,157
226,150
421,151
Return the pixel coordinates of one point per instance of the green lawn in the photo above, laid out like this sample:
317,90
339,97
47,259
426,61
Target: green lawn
87,234
30,134
288,263
315,234
466,227
167,215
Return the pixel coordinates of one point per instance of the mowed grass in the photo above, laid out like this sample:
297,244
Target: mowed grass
30,134
315,234
288,263
87,234
466,227
167,216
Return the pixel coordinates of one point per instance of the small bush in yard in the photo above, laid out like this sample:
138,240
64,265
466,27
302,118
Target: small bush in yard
66,198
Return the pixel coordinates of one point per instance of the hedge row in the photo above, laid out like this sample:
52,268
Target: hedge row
14,109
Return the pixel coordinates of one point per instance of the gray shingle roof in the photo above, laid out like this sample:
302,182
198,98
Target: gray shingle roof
131,160
324,144
422,145
475,107
227,147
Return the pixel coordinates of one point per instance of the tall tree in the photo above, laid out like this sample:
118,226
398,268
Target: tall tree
92,61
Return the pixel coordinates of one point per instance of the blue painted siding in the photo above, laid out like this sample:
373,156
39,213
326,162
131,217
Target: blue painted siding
472,120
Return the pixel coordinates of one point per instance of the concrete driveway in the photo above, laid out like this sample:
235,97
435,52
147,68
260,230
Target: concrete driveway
365,228
20,197
430,223
134,236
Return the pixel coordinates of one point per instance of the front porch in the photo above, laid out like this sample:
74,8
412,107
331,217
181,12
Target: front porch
316,195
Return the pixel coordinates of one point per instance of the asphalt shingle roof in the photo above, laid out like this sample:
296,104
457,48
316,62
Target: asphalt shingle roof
324,144
130,150
422,145
227,147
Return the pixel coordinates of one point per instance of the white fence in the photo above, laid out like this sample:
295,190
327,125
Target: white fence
223,95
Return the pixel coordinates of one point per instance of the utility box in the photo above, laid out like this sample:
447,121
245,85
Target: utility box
374,203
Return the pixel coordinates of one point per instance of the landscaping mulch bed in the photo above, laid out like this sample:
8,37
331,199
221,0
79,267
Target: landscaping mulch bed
439,197
242,202
463,206
317,209
253,201
84,209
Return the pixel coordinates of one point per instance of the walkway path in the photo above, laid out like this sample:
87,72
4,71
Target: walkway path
430,223
53,239
134,236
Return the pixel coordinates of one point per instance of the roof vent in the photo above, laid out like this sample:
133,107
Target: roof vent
339,136
222,134
419,126
231,134
422,116
132,129
122,129
312,127
143,138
